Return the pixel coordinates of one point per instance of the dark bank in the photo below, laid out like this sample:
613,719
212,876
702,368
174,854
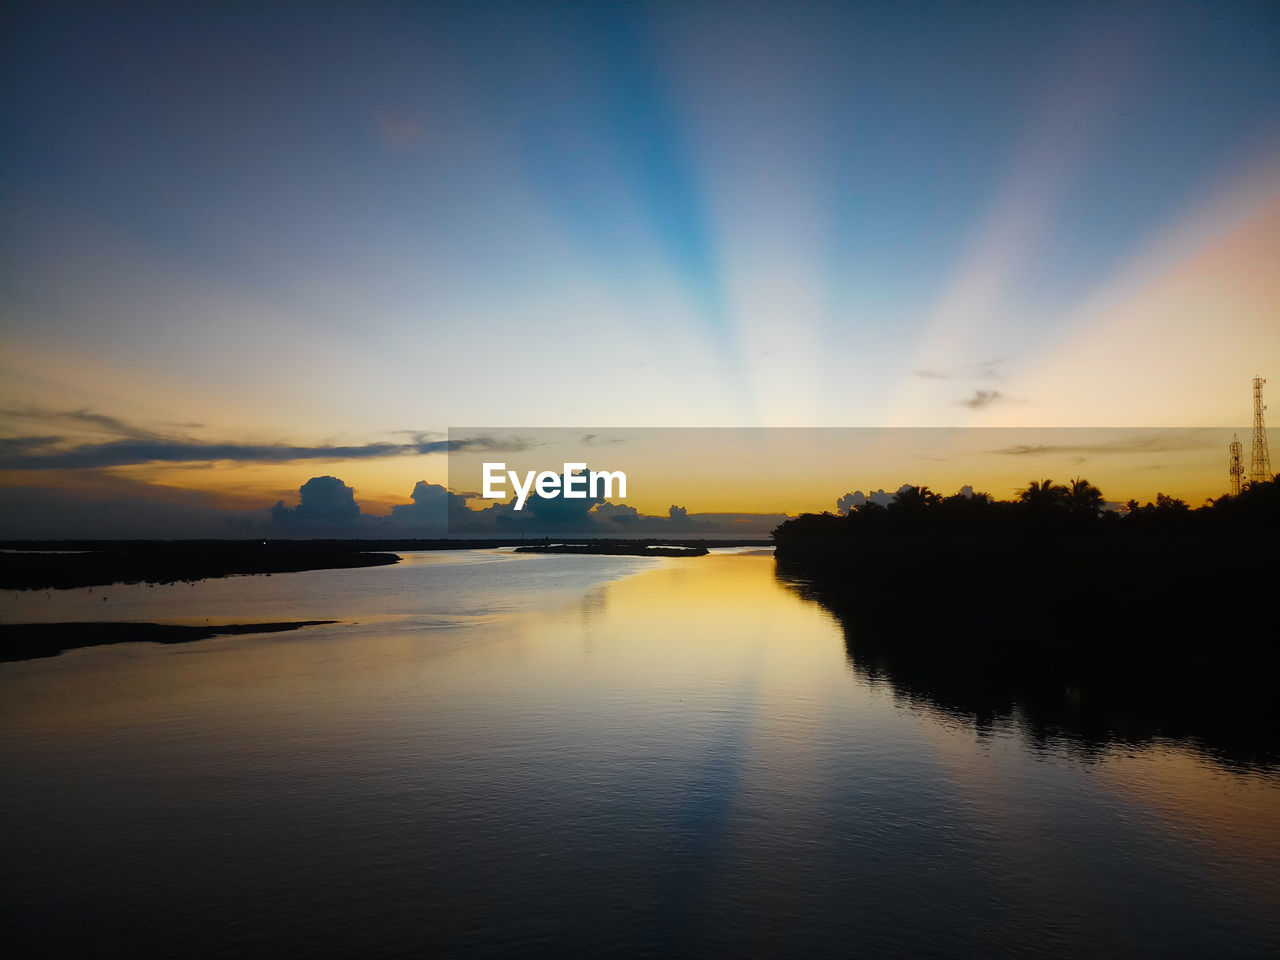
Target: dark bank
1094,625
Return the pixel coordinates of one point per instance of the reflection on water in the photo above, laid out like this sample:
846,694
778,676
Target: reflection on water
594,755
945,657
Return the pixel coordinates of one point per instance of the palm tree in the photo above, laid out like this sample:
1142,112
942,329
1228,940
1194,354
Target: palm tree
1166,503
1044,495
915,498
1084,499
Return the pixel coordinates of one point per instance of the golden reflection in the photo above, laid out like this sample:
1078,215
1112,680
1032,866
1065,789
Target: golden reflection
705,671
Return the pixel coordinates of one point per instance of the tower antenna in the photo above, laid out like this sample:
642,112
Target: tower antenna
1235,463
1260,463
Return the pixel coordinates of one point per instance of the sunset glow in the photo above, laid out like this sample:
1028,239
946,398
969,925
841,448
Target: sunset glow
634,218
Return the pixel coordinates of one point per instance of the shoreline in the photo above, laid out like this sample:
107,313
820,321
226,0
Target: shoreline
36,641
161,563
70,564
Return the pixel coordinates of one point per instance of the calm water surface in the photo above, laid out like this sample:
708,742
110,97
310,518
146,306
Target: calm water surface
588,755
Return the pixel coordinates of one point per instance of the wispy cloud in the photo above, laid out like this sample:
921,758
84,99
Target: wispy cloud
33,453
1126,445
984,370
16,446
981,399
83,420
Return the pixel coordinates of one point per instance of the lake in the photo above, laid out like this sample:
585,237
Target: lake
495,753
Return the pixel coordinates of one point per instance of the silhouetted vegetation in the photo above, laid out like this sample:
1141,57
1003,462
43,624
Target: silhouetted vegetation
170,562
1089,623
1043,507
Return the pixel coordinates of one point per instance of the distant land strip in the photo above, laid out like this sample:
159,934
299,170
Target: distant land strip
171,562
616,548
66,564
32,641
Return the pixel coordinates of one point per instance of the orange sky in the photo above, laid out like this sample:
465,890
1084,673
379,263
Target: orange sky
1078,227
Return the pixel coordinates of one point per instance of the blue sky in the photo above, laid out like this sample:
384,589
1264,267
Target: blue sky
331,222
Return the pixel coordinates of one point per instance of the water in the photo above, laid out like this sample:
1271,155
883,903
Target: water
586,755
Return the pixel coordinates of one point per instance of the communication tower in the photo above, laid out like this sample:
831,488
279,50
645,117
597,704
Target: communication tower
1260,463
1235,463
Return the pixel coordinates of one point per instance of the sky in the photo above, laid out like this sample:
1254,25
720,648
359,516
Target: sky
242,246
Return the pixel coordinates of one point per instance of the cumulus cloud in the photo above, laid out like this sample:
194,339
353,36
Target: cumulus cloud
599,518
850,501
320,498
856,499
431,508
620,513
559,511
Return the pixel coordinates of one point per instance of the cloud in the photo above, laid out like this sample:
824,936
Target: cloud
556,510
432,506
616,513
124,452
20,446
857,498
482,442
108,506
579,518
83,419
981,399
986,369
983,370
1157,444
31,453
320,498
849,502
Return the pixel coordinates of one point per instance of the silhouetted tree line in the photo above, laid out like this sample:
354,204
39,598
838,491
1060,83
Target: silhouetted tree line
1043,506
1096,623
